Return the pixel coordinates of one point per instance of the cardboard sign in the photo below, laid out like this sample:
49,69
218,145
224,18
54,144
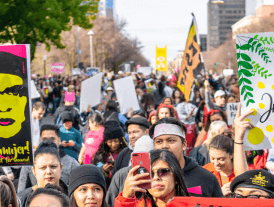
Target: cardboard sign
255,68
231,112
69,96
145,70
15,106
34,93
126,94
58,67
90,92
219,202
76,71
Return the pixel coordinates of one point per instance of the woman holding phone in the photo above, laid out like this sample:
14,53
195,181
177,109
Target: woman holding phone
166,182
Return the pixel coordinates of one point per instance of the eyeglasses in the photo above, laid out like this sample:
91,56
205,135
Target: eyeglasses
236,195
162,173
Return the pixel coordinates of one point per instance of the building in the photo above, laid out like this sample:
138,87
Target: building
221,16
106,8
255,11
203,42
178,60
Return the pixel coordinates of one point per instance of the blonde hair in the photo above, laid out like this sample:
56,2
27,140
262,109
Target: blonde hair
214,130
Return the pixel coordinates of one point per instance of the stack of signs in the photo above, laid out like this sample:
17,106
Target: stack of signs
15,106
255,67
231,112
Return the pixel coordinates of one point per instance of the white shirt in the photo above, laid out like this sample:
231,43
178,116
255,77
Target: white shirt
35,132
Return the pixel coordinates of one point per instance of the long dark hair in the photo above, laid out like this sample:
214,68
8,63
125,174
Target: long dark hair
146,100
208,122
182,97
101,154
161,88
173,163
7,193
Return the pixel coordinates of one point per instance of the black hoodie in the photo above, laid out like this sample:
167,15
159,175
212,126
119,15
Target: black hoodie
196,176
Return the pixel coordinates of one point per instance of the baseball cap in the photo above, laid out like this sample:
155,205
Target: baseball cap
219,93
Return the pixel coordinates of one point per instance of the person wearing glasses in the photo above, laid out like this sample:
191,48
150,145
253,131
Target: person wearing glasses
258,184
167,181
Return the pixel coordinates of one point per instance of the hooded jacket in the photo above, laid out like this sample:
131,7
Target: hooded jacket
122,160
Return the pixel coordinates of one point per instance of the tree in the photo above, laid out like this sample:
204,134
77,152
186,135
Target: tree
32,21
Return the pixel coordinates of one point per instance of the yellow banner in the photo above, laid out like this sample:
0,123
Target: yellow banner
161,59
191,63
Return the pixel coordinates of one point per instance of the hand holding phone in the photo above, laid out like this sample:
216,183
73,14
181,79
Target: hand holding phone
133,182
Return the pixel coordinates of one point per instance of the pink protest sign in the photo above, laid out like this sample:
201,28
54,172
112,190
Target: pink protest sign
58,67
69,96
138,66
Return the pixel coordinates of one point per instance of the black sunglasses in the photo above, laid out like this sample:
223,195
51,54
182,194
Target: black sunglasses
162,172
236,195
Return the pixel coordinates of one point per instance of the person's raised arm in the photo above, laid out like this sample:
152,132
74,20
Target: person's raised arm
208,102
240,163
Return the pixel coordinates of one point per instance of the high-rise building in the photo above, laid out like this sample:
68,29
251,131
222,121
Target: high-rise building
106,8
203,42
221,16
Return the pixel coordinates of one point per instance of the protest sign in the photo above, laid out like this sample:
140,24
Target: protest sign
91,92
255,68
76,71
126,94
58,67
15,106
34,92
231,112
145,70
219,202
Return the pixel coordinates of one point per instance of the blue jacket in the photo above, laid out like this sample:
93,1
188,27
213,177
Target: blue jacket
74,135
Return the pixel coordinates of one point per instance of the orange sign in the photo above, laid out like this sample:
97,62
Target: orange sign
191,63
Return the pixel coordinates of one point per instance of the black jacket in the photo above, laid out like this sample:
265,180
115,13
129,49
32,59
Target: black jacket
22,197
122,160
196,176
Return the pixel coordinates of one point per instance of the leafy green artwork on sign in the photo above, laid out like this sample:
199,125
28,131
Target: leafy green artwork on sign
247,67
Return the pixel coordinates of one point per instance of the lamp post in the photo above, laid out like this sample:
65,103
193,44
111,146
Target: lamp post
90,33
78,47
44,58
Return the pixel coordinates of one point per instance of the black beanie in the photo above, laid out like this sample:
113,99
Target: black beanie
67,116
84,174
112,130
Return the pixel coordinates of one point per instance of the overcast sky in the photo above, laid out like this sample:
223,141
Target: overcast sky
162,22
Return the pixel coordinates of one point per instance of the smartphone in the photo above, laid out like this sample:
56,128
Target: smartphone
142,159
66,141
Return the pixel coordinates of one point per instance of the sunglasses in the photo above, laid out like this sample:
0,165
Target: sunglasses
162,173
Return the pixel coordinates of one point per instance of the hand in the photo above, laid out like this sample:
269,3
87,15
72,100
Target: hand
206,84
89,109
187,117
200,124
71,143
10,176
107,167
226,189
241,125
80,159
132,182
64,144
130,112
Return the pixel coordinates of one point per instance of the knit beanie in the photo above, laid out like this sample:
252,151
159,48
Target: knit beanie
67,116
144,144
112,130
84,174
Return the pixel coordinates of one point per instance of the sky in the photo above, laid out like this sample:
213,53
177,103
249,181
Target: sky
161,22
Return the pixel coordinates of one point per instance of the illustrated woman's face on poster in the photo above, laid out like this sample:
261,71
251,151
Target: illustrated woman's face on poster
12,105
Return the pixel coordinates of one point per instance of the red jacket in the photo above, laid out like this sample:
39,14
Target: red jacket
210,167
120,201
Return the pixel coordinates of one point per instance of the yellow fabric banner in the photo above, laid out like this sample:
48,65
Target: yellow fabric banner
191,63
161,59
